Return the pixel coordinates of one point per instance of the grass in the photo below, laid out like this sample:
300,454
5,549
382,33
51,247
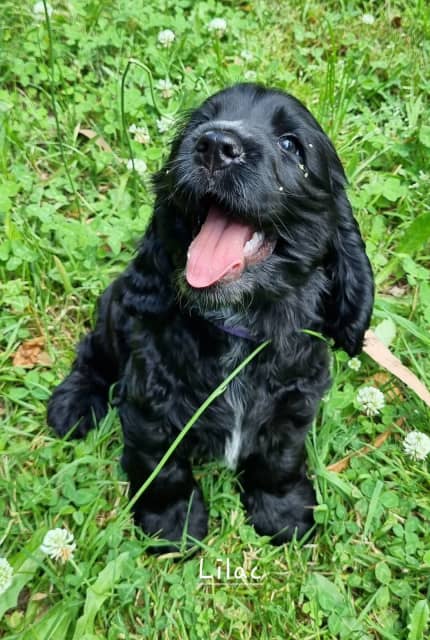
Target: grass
71,212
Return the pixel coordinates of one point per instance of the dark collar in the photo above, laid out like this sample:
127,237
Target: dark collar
239,332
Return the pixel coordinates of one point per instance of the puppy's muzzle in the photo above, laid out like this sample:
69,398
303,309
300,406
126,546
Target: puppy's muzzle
217,149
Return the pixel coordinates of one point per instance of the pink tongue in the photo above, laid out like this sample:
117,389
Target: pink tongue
217,250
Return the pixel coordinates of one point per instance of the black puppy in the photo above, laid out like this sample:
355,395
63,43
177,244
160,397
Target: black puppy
252,238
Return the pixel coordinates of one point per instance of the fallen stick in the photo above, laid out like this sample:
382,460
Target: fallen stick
381,354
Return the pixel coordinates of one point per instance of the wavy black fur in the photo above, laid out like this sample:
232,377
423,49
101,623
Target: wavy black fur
156,335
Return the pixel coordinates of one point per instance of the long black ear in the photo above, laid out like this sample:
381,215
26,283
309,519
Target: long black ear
146,285
350,299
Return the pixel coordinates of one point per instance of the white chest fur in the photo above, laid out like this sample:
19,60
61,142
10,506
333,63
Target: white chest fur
236,397
234,441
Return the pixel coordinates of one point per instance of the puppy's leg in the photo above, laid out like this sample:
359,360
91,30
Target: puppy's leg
276,492
81,400
172,506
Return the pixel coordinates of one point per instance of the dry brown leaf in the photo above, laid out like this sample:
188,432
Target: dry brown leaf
377,350
44,359
343,464
93,135
381,379
340,465
30,353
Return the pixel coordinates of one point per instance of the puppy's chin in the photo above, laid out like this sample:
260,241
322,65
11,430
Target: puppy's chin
255,287
236,294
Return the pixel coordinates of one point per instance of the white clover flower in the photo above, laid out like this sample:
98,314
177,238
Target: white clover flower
417,445
166,37
39,11
140,166
140,134
6,574
218,26
370,400
246,55
165,123
367,18
250,75
58,544
166,88
354,364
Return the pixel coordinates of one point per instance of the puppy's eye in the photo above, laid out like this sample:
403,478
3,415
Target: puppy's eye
290,144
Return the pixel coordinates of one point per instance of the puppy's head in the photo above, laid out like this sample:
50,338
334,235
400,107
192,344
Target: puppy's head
251,202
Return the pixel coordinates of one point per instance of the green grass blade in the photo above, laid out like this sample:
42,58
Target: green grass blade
217,392
419,620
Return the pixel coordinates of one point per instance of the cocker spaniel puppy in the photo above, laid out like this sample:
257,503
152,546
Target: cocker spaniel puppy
252,239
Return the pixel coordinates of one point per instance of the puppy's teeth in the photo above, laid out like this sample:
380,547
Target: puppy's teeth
253,244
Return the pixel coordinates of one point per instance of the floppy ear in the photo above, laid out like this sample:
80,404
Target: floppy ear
350,299
146,284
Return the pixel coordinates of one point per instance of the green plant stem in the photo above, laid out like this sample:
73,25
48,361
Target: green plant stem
130,62
217,392
54,105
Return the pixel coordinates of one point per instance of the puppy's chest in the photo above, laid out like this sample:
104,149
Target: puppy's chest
234,414
236,399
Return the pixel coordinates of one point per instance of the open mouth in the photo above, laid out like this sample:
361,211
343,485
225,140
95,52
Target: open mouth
223,249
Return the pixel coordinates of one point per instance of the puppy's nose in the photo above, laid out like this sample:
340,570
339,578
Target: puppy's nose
217,149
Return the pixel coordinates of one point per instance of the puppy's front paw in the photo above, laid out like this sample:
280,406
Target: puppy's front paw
179,523
76,406
281,516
